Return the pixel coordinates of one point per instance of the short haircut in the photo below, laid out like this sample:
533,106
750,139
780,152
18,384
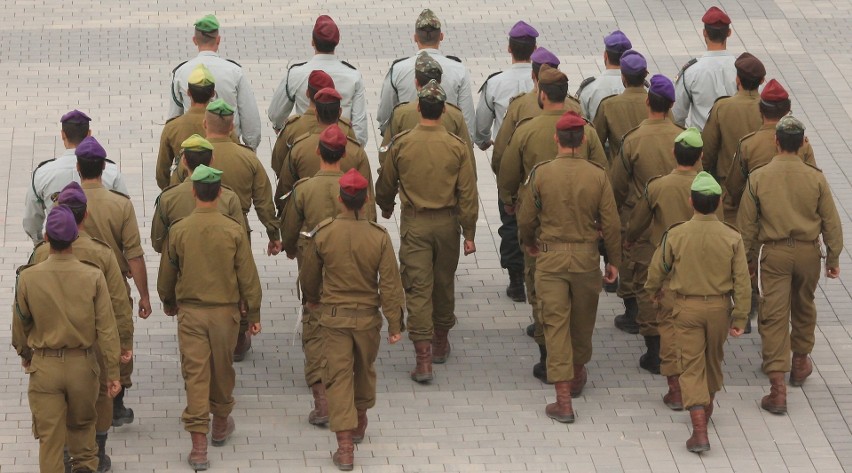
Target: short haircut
329,155
703,203
79,212
206,191
201,93
428,36
194,158
328,113
556,93
219,124
521,50
424,78
686,155
311,92
324,46
775,110
431,110
658,103
90,169
614,58
635,80
75,132
59,245
205,38
790,143
570,138
748,82
716,34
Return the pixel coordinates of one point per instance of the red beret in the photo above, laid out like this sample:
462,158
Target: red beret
333,138
326,30
352,183
716,18
320,80
327,95
570,121
774,92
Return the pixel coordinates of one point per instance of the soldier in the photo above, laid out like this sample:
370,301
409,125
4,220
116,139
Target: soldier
62,309
787,207
210,287
618,114
112,220
398,85
290,95
594,89
51,176
232,85
731,118
646,152
430,168
500,87
701,288
349,271
703,80
567,200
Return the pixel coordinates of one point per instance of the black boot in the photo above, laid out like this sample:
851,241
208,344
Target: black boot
120,415
752,314
531,330
651,359
104,462
516,290
540,368
626,322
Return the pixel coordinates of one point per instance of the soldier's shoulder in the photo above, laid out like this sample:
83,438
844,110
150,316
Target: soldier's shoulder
296,64
234,63
523,121
720,98
732,229
400,105
516,97
586,82
170,120
301,138
120,194
675,227
453,108
812,166
686,66
378,226
631,131
100,243
397,61
292,119
457,138
179,66
42,164
653,181
350,66
300,182
485,83
747,137
234,223
534,169
454,58
606,100
349,139
319,227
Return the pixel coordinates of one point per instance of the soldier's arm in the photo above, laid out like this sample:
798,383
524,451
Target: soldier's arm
247,278
22,321
391,293
808,152
287,177
121,307
164,163
131,247
640,217
175,109
601,127
832,233
737,174
610,224
310,274
528,214
711,135
680,110
468,196
359,113
108,341
261,196
747,219
388,99
159,228
742,286
620,178
168,275
465,135
280,106
388,183
657,273
501,141
484,119
466,105
596,149
33,215
511,173
291,222
249,114
279,154
235,211
364,168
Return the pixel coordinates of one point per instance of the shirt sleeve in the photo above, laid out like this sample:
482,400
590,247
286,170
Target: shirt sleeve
527,214
33,213
747,219
388,183
610,225
640,217
683,100
167,276
359,112
711,135
388,99
832,233
281,106
262,200
247,278
310,273
249,114
511,172
22,321
468,196
484,118
159,228
108,341
121,307
466,104
391,293
742,286
131,242
164,162
291,223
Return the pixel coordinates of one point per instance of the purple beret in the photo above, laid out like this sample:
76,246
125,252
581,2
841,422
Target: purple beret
61,225
543,56
617,42
75,116
521,30
662,86
632,62
90,149
72,195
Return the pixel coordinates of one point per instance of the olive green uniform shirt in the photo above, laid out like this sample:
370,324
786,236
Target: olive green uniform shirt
112,220
296,126
405,116
731,118
312,200
618,114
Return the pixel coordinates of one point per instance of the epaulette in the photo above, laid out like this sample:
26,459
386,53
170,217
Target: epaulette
532,171
100,242
297,65
233,219
234,62
517,97
22,268
345,121
747,136
168,188
604,100
812,166
487,79
319,226
648,185
246,147
287,81
353,141
586,82
666,266
178,66
350,66
454,58
109,161
629,132
684,68
596,164
448,104
522,121
120,193
301,137
733,227
720,98
379,226
573,103
398,60
400,104
292,119
385,148
42,164
173,118
300,181
462,141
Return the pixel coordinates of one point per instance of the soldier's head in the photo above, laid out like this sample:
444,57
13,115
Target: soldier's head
705,193
552,86
615,44
774,101
717,26
91,158
206,183
789,134
75,127
327,103
318,80
60,228
207,33
634,69
353,190
196,151
750,71
570,131
325,36
332,144
540,57
201,86
426,68
427,30
73,197
431,101
688,147
661,94
219,119
522,40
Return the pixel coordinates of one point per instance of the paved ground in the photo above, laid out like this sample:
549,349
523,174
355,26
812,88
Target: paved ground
484,412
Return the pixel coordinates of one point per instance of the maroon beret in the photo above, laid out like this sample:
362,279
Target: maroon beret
716,18
320,80
774,92
352,183
333,138
570,121
327,95
325,29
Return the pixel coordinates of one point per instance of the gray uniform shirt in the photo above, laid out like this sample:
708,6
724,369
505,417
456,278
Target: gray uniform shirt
494,98
232,86
698,87
606,84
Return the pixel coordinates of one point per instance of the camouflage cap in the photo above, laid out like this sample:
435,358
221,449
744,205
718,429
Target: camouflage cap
790,125
427,20
432,92
425,64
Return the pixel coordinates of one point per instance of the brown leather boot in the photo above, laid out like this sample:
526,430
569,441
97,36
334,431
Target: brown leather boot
423,371
776,401
673,398
440,346
802,368
344,457
708,409
319,416
223,427
561,410
361,430
579,381
243,346
198,455
698,442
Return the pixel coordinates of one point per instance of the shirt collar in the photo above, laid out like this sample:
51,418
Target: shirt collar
722,53
705,218
691,173
92,185
611,72
324,57
208,53
205,210
748,93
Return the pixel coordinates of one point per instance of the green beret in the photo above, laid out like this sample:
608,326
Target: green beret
790,125
207,24
432,92
690,137
206,174
220,107
196,142
201,76
705,184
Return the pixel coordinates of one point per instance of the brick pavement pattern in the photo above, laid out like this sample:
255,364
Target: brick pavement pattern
484,411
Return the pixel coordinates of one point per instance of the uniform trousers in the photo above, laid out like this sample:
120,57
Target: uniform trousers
701,325
511,256
311,335
669,350
103,405
532,298
126,369
640,258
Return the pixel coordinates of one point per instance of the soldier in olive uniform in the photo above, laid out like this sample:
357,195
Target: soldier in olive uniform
430,168
701,288
618,114
787,207
211,284
566,201
112,220
349,271
646,152
62,310
594,89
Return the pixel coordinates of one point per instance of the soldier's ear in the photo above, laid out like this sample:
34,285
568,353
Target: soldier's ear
318,151
89,133
204,125
441,37
556,139
339,112
194,40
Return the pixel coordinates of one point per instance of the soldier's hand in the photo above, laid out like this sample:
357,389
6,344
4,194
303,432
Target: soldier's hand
393,338
170,310
254,328
273,248
509,209
611,274
533,250
386,214
832,273
291,255
735,332
126,356
469,247
144,308
113,388
486,145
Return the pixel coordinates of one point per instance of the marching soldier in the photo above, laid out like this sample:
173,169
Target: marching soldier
232,85
349,271
210,287
704,260
618,114
787,207
290,95
594,89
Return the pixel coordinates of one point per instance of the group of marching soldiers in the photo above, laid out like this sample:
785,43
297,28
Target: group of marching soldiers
698,227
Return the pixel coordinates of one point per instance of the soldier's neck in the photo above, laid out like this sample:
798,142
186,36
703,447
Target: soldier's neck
711,46
212,48
610,66
324,166
552,105
427,122
96,180
200,204
211,135
685,168
655,115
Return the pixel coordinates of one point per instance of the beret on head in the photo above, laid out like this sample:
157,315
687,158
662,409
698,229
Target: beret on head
774,92
206,174
75,116
90,149
207,24
550,75
632,62
196,142
432,92
543,56
690,137
325,29
427,20
200,75
320,80
523,30
72,195
61,225
750,66
570,121
790,125
705,184
327,95
617,42
352,183
333,138
221,108
662,86
716,18
426,64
